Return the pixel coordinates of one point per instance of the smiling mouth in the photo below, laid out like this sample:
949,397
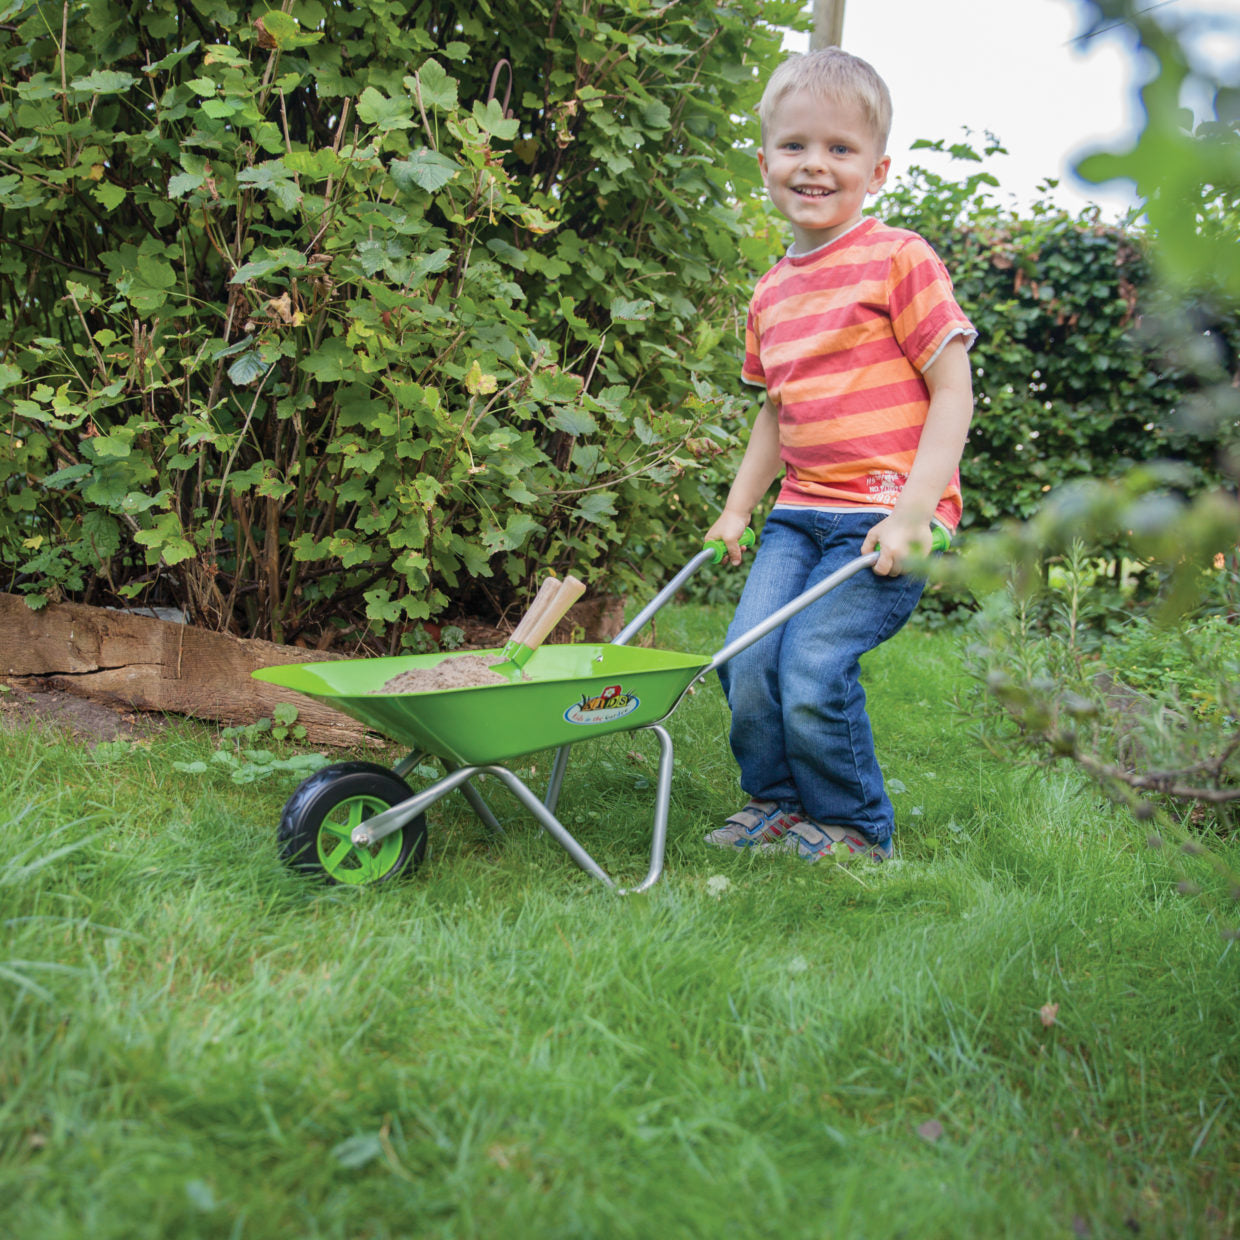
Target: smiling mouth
813,191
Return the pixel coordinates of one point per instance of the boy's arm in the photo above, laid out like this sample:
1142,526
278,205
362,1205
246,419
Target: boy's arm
907,529
758,469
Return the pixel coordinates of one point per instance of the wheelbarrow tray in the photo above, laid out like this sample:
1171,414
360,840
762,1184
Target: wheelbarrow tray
569,693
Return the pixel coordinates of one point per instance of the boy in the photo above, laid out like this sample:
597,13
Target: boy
863,353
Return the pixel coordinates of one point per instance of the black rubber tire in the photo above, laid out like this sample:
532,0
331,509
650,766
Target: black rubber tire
313,832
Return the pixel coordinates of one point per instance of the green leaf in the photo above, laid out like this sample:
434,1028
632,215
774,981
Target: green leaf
517,530
103,532
63,478
286,32
356,1152
436,88
109,196
657,115
247,368
273,177
104,82
382,111
597,506
381,606
113,447
491,120
171,60
221,109
628,311
332,362
283,259
184,183
429,264
425,168
519,493
574,421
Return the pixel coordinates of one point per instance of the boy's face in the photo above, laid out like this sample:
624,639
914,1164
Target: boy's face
819,161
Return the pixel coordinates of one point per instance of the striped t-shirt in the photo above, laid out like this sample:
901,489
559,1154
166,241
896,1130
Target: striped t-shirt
840,337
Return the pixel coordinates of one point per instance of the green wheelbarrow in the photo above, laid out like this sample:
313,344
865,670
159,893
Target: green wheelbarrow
361,823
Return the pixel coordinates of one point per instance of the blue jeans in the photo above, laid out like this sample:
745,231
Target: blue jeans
800,732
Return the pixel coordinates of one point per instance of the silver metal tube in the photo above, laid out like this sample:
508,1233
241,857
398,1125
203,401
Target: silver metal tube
395,816
788,610
663,797
392,819
481,809
556,782
669,591
408,762
549,822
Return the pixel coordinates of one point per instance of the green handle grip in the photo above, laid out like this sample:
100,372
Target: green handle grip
940,539
717,545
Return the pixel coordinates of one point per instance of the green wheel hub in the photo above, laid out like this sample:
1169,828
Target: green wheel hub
342,860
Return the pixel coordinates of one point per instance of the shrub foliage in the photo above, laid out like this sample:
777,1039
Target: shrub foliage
325,320
319,318
1073,376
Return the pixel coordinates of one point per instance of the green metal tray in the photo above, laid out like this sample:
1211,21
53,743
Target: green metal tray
570,693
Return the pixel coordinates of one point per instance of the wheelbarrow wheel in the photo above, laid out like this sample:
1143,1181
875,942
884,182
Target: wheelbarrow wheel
316,828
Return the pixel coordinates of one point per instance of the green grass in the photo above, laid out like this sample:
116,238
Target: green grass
196,1042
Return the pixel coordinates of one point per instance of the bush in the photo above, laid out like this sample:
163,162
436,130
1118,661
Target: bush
1072,378
326,319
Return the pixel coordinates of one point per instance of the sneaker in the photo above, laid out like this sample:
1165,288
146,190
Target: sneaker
812,841
759,824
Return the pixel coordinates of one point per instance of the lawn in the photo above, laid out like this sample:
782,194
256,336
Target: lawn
1020,1028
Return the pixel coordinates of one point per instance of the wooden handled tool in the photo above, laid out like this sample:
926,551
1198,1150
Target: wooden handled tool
569,591
546,592
553,599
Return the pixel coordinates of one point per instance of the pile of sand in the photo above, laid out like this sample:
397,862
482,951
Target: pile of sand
455,672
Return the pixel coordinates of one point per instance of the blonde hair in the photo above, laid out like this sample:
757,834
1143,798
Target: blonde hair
835,74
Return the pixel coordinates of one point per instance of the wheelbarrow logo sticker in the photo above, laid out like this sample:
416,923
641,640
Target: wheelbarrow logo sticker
613,703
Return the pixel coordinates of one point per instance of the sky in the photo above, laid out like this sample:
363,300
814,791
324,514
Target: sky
1018,69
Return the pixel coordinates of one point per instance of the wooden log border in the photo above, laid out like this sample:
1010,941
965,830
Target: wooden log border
135,661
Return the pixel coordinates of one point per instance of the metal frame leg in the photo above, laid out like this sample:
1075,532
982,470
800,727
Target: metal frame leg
481,809
393,818
556,782
468,791
662,803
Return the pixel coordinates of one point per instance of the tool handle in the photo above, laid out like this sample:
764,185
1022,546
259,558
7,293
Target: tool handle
719,547
546,592
940,539
569,591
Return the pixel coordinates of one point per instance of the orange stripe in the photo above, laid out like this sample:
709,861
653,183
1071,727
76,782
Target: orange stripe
818,344
925,307
817,434
814,387
814,302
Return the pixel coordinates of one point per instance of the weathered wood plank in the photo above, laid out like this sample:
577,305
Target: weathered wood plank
147,664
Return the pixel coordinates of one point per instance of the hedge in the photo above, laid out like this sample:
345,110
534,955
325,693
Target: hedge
327,321
320,320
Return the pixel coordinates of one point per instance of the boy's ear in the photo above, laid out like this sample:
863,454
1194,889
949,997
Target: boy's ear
762,164
880,175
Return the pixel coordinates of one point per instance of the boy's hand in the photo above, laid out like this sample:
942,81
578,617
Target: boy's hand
895,540
728,529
